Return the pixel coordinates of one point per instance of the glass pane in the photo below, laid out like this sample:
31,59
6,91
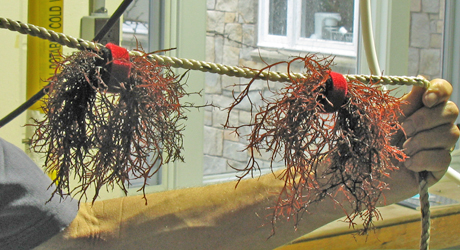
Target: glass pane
327,19
136,25
277,18
154,180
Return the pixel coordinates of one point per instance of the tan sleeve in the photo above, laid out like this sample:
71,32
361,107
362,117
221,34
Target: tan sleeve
210,217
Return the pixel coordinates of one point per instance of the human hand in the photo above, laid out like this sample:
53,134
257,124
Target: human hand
430,133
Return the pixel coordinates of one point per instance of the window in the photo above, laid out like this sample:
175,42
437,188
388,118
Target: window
137,29
143,24
319,26
159,24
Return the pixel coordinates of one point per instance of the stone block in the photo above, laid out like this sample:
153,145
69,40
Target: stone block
227,5
255,101
430,6
436,41
214,165
256,84
247,11
219,49
219,117
213,141
250,63
415,5
229,82
221,102
215,21
234,151
440,26
230,55
266,156
245,53
244,132
434,16
211,4
433,26
208,118
430,62
208,100
270,94
229,92
213,83
249,35
442,9
274,165
245,117
230,17
420,30
230,135
234,32
236,167
210,49
414,59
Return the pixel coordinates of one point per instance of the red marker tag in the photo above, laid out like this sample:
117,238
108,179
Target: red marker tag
121,66
336,92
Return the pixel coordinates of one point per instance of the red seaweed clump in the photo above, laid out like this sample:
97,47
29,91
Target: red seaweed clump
344,153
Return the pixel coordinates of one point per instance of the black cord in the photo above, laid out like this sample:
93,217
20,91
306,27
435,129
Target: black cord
105,29
113,19
15,113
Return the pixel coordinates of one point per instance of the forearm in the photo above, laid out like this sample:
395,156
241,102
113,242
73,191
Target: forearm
210,217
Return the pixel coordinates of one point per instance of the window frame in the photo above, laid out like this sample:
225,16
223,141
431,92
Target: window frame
293,39
451,51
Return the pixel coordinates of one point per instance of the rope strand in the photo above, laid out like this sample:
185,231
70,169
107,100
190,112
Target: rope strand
425,210
81,44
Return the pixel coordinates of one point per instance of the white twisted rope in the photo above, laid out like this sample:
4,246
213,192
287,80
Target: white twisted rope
78,43
81,44
425,210
29,29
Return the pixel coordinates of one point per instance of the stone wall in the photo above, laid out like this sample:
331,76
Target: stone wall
232,40
426,38
231,36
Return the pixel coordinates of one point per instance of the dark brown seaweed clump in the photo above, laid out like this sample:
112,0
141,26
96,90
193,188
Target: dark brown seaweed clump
104,138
